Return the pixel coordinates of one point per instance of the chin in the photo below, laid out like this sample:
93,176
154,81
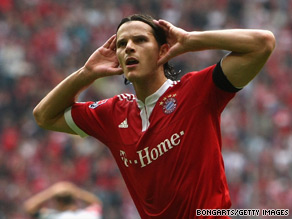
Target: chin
135,76
131,77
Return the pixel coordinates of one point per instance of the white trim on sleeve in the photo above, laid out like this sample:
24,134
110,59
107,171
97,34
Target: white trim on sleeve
72,124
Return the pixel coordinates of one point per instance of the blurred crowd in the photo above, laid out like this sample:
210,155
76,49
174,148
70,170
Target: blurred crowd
43,41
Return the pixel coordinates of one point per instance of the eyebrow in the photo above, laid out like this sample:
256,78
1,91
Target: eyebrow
135,37
121,40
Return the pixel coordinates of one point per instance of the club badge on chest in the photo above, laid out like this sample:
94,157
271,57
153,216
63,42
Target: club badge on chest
169,104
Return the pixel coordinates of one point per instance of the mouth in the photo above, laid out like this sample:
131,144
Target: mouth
131,62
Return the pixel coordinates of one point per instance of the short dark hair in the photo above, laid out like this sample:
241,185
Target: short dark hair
158,34
65,199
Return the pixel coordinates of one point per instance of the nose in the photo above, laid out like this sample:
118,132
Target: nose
130,47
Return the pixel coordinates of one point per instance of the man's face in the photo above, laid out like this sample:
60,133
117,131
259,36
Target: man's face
137,50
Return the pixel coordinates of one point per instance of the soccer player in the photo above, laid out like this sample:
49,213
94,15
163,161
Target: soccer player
65,196
166,138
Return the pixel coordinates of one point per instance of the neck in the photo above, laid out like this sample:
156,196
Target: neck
147,87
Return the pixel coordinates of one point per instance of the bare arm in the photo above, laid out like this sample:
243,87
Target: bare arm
33,204
49,113
250,49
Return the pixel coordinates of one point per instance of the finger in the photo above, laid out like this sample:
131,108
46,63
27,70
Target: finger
164,59
117,71
165,24
109,41
160,25
171,53
156,22
113,43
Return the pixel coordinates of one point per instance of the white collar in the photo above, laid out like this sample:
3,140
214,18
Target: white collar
152,99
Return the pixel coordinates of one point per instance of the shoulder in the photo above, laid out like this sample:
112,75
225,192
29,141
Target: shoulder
212,75
123,101
198,79
119,99
201,73
125,97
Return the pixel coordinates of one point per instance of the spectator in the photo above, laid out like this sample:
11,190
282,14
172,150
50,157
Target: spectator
65,196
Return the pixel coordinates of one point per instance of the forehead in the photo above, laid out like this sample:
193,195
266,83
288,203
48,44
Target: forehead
134,28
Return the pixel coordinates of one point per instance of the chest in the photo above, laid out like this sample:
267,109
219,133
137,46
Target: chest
173,122
140,124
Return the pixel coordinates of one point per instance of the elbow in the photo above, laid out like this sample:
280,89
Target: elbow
267,42
39,118
45,119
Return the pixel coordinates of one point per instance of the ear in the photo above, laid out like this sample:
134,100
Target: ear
163,50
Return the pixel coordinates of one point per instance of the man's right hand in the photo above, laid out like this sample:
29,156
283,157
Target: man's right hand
49,113
103,62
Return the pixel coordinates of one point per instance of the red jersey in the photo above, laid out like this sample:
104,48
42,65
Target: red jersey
169,149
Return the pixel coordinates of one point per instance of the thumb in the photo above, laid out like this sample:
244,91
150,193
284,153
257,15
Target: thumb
117,71
163,59
172,52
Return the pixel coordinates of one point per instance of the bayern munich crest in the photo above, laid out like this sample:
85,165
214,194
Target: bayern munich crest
168,104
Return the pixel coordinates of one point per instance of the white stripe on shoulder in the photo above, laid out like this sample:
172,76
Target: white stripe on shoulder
71,123
128,97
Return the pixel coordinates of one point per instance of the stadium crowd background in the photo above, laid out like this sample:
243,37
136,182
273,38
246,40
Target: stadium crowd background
42,41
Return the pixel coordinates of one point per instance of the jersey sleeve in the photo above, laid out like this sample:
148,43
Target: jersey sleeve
72,124
221,80
210,87
91,118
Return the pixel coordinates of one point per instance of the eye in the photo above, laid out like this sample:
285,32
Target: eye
141,40
121,44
